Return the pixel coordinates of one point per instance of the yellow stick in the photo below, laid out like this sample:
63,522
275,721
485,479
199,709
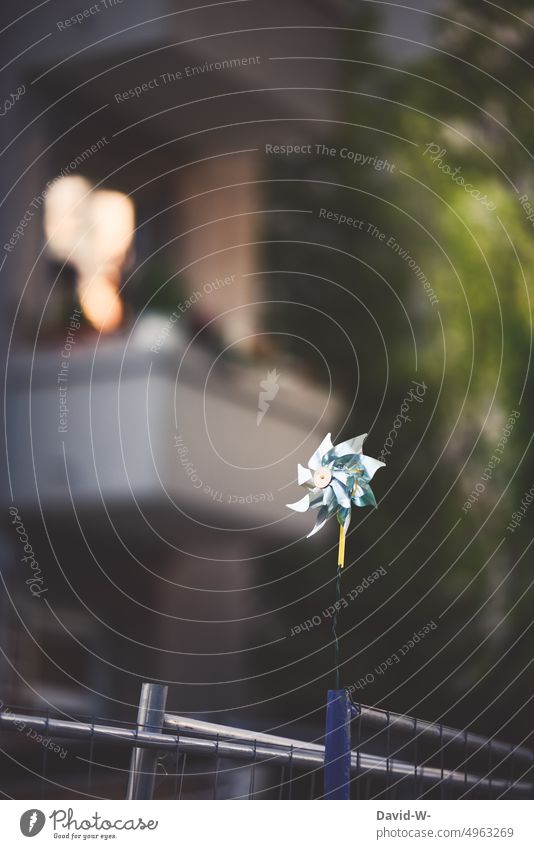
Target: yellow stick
341,549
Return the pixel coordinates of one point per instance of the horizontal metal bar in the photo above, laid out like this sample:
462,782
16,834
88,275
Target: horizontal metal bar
468,741
83,730
186,725
305,755
359,761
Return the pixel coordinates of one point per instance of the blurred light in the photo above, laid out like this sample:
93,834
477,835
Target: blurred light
112,223
100,302
65,217
93,230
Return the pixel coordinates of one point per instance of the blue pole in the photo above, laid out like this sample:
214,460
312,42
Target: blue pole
337,746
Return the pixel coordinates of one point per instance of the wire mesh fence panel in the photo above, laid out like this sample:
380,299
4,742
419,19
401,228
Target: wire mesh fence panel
393,757
38,760
445,762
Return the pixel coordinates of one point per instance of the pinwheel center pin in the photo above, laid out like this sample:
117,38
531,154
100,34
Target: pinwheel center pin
322,477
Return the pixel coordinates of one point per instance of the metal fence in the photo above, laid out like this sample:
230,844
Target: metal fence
167,756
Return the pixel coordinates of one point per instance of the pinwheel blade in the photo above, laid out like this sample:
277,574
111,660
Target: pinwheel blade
342,477
367,499
344,517
371,465
303,475
329,498
316,458
322,517
300,506
351,446
343,498
311,500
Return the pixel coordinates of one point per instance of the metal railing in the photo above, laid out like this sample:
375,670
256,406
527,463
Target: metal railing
171,756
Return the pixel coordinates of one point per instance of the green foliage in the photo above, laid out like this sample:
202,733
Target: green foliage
471,97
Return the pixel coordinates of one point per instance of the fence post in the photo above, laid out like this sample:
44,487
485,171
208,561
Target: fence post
337,751
150,713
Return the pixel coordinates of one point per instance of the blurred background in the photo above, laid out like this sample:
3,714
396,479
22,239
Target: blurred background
225,232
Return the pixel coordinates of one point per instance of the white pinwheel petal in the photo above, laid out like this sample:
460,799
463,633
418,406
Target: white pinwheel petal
343,477
304,475
318,525
315,459
358,492
351,446
341,493
316,498
371,465
323,516
329,497
300,506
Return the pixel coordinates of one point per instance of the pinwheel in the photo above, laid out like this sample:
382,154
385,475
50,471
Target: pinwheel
337,477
